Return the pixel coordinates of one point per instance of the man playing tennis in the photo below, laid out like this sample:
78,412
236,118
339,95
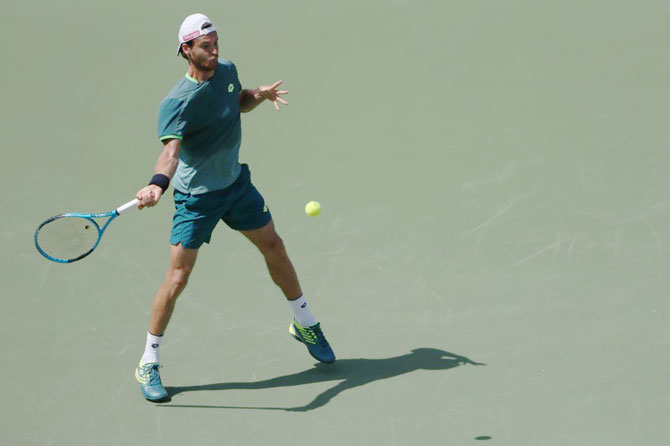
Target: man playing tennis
199,126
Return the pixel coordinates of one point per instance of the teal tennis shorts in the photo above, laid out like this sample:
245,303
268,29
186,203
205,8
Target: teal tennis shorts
239,205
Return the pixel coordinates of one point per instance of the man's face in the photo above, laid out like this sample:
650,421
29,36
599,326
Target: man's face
204,53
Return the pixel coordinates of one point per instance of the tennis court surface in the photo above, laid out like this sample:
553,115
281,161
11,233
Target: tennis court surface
490,264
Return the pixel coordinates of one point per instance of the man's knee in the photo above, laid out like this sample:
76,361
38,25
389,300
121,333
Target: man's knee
178,277
182,262
273,245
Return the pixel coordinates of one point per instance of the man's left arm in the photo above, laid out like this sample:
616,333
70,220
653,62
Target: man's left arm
250,99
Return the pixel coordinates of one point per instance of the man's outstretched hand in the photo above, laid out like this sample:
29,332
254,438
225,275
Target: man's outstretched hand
271,93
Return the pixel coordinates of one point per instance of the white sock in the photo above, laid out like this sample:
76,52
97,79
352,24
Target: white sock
151,348
301,312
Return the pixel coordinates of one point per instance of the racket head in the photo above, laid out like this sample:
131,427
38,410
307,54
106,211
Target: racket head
67,238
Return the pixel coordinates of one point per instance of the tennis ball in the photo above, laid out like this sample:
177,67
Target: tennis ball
313,208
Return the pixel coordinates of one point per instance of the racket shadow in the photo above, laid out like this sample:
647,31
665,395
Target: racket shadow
349,374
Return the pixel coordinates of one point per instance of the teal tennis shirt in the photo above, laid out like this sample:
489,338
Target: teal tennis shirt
206,118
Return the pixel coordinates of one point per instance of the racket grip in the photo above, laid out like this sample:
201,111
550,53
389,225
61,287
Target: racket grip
130,205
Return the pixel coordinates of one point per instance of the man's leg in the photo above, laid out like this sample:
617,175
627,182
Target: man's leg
279,265
304,328
182,261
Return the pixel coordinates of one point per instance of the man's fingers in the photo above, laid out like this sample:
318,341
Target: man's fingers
140,203
147,197
268,92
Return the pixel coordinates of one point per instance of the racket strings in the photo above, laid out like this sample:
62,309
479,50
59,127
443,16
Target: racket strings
68,238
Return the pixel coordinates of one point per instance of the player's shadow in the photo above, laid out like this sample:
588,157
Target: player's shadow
350,373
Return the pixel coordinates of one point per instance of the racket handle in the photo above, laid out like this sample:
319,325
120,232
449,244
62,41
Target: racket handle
130,205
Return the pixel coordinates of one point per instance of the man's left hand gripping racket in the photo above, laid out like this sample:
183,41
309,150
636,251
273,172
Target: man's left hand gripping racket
69,237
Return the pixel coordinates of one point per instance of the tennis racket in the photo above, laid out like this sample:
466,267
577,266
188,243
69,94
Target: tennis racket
66,238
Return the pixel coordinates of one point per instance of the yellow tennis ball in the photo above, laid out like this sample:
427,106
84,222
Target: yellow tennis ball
313,208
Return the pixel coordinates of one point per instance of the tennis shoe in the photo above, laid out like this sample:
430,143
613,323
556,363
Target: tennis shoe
314,340
150,381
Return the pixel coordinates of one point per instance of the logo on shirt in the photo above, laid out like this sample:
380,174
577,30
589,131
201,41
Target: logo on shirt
231,88
265,208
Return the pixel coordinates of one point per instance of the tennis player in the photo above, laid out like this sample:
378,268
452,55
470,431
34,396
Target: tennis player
199,126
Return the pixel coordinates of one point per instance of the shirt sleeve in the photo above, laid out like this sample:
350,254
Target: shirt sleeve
238,85
170,121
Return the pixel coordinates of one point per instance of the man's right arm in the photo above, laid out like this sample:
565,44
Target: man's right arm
165,165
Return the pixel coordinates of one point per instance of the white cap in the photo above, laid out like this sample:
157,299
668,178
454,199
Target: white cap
192,27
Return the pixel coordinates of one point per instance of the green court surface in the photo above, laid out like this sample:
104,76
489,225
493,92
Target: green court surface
490,265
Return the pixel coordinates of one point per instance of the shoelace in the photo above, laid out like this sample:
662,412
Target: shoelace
152,372
313,335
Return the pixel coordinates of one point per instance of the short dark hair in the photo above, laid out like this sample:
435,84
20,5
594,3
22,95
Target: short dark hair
190,45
